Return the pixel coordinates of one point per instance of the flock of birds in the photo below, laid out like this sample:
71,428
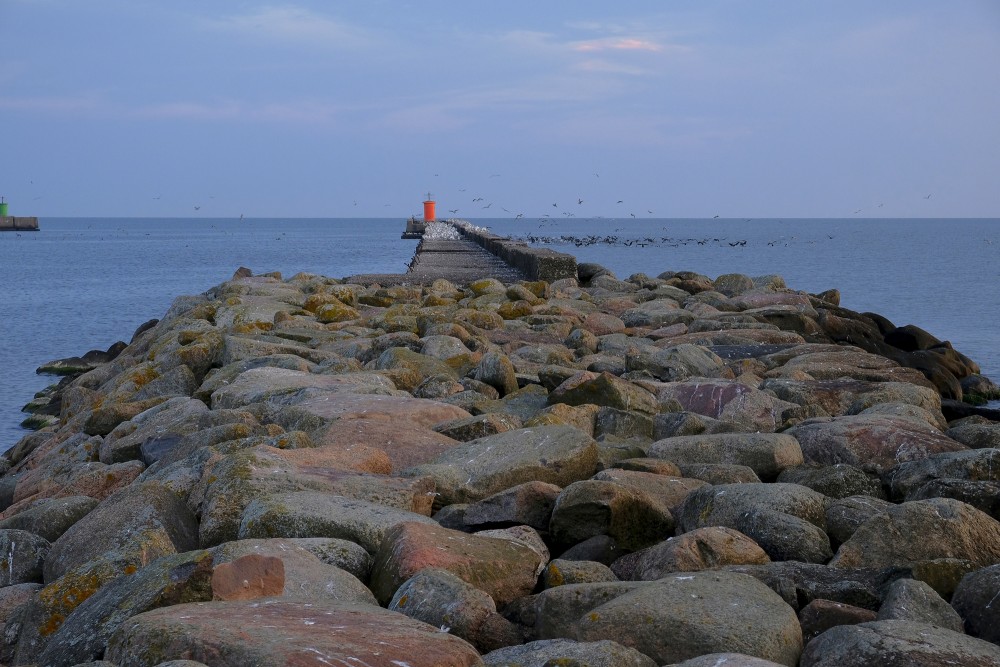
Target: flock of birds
641,242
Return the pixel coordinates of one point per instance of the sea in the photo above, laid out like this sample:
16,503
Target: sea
84,283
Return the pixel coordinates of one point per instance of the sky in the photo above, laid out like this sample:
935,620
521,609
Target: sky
587,108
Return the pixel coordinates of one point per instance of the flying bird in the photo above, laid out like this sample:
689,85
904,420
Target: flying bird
579,201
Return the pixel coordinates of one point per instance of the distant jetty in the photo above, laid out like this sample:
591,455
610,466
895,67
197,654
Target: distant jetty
10,223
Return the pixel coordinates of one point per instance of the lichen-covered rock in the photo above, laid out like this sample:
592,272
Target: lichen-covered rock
317,514
837,481
49,518
476,469
173,579
146,519
786,520
684,616
562,572
767,454
874,443
922,530
606,390
505,569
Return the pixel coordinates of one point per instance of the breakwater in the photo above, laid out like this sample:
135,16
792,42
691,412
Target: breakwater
481,472
10,223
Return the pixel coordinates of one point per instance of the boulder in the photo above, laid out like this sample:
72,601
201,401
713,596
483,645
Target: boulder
22,555
978,465
873,443
479,468
604,389
820,615
897,643
834,481
677,363
975,599
285,632
147,520
922,530
912,600
443,600
562,572
317,514
170,580
527,504
684,616
767,454
632,517
846,515
699,549
550,652
801,583
842,396
748,409
786,520
310,568
503,568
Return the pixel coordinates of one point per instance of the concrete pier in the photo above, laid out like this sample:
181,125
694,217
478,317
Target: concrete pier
10,223
475,254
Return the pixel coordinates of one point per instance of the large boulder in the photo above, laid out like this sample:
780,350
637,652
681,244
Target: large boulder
632,517
551,652
748,409
503,568
684,616
147,520
283,632
975,599
923,530
699,549
976,465
766,453
897,643
471,471
317,514
874,443
606,390
786,520
21,555
912,600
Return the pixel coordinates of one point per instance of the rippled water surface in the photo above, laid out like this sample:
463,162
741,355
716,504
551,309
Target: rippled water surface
82,283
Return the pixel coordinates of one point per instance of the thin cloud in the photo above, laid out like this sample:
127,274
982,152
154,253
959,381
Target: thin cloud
618,44
231,110
56,105
292,24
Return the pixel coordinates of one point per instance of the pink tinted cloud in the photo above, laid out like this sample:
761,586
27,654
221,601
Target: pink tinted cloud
617,44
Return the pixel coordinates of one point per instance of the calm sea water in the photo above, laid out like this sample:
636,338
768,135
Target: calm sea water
84,283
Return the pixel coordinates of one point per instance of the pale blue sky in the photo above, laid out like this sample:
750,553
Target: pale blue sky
331,109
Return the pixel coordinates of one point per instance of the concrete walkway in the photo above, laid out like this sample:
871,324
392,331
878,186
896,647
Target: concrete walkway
460,262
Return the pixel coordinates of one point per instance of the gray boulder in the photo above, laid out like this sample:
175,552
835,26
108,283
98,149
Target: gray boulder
51,517
767,454
897,643
22,555
975,599
912,600
550,652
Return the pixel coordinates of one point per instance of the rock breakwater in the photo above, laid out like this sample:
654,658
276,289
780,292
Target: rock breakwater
590,471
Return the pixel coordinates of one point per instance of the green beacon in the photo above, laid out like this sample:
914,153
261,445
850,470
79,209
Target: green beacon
3,208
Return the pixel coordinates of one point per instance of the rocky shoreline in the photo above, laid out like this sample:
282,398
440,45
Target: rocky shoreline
604,472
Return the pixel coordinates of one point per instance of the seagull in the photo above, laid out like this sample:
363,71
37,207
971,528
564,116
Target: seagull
453,210
621,201
928,196
488,205
579,201
197,208
714,217
556,205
